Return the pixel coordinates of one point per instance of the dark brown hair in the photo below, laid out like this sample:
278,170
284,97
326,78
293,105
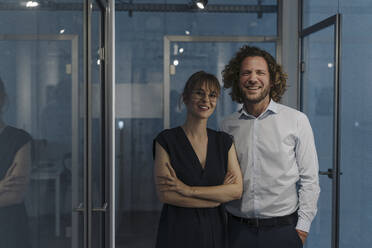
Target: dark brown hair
231,73
198,79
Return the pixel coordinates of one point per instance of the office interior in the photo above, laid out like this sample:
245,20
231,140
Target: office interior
94,81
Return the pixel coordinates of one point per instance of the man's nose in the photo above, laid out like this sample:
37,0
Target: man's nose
252,77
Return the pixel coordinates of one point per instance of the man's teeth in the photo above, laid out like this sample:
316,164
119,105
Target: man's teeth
203,107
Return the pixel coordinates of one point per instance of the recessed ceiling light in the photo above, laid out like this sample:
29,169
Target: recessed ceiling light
32,4
201,3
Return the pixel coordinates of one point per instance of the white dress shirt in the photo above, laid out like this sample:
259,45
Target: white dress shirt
279,164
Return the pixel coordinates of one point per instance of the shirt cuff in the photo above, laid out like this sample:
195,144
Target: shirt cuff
303,225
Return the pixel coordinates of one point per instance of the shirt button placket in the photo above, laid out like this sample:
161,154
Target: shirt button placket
254,167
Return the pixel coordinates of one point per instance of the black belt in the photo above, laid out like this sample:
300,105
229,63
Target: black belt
273,221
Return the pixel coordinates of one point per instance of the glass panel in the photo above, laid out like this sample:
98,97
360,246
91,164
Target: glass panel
139,96
356,125
140,118
190,57
315,11
40,70
149,27
318,103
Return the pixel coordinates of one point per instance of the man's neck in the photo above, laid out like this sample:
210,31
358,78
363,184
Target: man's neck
256,109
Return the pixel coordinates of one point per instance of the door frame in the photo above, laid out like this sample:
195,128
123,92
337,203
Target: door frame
186,38
334,172
107,97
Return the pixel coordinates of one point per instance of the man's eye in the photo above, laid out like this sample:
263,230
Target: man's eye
213,95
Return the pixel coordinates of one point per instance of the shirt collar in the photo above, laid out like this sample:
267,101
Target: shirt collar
272,108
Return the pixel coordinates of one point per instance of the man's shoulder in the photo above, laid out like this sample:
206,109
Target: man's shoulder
289,112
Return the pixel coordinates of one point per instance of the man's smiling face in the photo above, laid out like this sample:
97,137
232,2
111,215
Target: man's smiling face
254,80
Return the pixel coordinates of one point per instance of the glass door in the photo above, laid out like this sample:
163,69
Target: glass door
55,124
97,203
319,85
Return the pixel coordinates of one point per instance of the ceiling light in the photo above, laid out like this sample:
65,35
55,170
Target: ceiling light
62,31
176,62
32,4
201,3
181,50
187,32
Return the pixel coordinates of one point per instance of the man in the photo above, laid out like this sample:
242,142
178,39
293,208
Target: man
277,155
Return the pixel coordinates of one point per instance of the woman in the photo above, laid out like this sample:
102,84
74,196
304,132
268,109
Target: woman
196,169
14,177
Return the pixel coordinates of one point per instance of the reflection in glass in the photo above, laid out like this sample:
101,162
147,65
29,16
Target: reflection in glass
15,157
41,68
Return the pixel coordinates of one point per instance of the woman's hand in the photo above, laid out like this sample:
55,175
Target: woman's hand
229,178
172,183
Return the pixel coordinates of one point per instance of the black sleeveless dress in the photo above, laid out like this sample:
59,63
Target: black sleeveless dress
194,227
13,218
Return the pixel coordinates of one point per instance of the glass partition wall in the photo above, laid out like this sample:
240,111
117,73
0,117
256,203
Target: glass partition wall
352,229
156,51
57,72
54,124
320,45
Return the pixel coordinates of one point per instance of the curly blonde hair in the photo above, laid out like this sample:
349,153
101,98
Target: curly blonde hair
231,74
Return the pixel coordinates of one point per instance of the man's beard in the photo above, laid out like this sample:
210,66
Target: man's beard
254,100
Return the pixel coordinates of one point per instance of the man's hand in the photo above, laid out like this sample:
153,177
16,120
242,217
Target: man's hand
302,235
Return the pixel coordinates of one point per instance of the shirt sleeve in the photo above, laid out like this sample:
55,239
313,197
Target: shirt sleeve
307,161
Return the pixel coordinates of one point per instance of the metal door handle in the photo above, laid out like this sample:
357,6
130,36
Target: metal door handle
102,209
329,173
79,208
